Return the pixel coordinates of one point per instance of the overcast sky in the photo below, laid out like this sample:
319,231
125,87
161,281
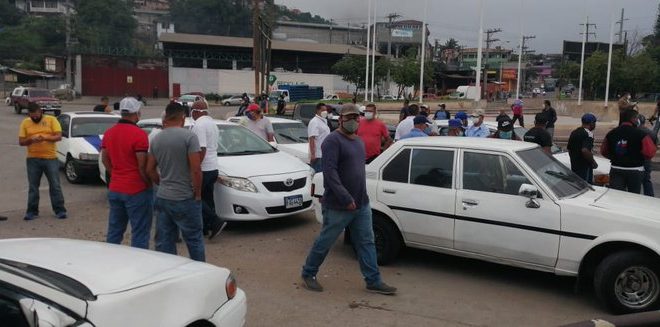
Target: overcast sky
550,20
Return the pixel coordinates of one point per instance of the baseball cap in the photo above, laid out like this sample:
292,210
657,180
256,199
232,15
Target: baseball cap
420,119
200,105
130,105
253,107
461,115
541,118
348,109
505,124
455,122
478,112
442,105
589,118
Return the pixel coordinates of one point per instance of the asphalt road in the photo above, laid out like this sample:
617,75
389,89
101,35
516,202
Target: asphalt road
266,257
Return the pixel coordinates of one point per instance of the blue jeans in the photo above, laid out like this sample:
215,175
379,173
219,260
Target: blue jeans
317,165
51,168
647,184
209,216
136,209
362,237
185,215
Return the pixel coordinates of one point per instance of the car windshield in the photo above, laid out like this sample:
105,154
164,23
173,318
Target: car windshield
238,140
289,133
561,180
521,131
48,278
90,126
40,93
307,110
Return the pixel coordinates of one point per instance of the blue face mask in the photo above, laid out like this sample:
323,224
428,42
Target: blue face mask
506,135
427,131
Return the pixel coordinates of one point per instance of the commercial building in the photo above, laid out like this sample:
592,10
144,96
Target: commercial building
41,7
319,33
572,51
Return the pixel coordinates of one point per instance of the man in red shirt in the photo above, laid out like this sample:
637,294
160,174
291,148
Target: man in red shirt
124,155
373,133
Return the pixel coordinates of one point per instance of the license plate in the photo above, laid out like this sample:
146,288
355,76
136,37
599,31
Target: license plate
293,201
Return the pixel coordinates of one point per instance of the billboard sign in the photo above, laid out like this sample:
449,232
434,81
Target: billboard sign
407,33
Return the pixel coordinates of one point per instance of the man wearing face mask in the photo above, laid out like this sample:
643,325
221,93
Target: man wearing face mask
259,124
373,133
39,133
421,126
478,129
345,204
317,131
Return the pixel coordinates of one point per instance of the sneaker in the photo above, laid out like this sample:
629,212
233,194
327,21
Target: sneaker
61,215
382,288
310,283
215,231
30,216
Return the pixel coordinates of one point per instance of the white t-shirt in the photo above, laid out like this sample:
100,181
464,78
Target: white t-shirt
404,127
318,128
261,127
207,134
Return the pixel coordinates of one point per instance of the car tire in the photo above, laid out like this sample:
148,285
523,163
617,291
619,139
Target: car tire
71,171
226,104
387,238
628,282
17,109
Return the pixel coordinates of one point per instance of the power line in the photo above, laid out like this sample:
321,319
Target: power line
587,32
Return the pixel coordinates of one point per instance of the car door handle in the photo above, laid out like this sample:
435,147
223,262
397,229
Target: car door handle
389,191
469,203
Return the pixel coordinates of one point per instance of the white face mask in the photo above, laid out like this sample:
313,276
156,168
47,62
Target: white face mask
369,115
329,115
324,114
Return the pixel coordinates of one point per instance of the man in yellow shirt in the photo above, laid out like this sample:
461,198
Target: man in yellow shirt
39,133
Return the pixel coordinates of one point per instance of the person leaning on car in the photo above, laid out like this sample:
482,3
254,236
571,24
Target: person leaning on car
627,147
174,164
124,155
104,106
580,146
39,133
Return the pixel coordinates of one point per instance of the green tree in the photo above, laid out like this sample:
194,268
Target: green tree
101,23
565,73
352,69
595,74
405,72
9,14
29,41
450,44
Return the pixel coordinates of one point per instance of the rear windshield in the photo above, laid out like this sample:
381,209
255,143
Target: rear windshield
90,126
48,278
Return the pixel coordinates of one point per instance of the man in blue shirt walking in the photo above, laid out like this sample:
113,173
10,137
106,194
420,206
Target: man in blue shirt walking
421,124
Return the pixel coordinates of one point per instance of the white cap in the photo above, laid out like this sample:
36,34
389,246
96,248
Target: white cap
362,109
131,105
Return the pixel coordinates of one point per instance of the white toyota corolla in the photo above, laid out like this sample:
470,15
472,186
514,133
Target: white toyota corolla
509,202
290,136
63,282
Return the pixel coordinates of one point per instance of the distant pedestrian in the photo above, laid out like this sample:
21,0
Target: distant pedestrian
406,125
124,155
104,106
404,112
154,92
455,127
538,133
373,133
624,104
245,102
39,133
627,147
259,124
580,148
345,204
263,104
208,135
174,165
502,115
420,124
317,131
505,131
647,184
442,113
551,116
478,129
517,109
281,105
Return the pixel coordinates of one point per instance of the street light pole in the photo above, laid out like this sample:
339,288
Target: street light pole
477,83
373,53
366,73
609,59
520,52
584,42
423,55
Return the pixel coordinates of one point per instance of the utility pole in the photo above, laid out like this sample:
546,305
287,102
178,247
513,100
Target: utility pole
620,22
523,53
489,40
390,20
256,47
587,30
261,49
67,40
331,23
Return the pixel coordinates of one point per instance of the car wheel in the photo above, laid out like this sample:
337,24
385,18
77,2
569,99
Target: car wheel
17,109
71,171
387,238
226,103
628,282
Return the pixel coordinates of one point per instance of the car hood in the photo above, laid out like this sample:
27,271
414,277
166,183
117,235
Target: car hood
629,204
298,150
103,268
246,166
603,163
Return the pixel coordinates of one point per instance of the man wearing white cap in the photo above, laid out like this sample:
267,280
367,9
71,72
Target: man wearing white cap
477,129
124,155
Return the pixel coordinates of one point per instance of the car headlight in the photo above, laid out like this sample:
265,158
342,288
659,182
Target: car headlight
89,156
231,287
238,183
602,179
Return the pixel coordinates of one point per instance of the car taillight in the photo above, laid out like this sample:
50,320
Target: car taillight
230,287
602,180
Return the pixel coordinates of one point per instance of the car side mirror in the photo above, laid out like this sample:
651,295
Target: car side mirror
39,314
532,193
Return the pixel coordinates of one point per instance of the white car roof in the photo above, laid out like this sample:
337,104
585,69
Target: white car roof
189,121
278,120
475,143
74,114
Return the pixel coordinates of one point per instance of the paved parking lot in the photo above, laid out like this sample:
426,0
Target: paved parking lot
434,289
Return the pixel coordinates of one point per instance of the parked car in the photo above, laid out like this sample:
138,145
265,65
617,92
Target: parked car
63,282
15,94
389,98
42,97
290,136
304,112
64,92
331,97
508,202
188,99
257,181
236,100
79,148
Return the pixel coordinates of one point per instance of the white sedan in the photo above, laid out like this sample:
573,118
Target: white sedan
63,282
257,181
290,136
78,151
508,202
